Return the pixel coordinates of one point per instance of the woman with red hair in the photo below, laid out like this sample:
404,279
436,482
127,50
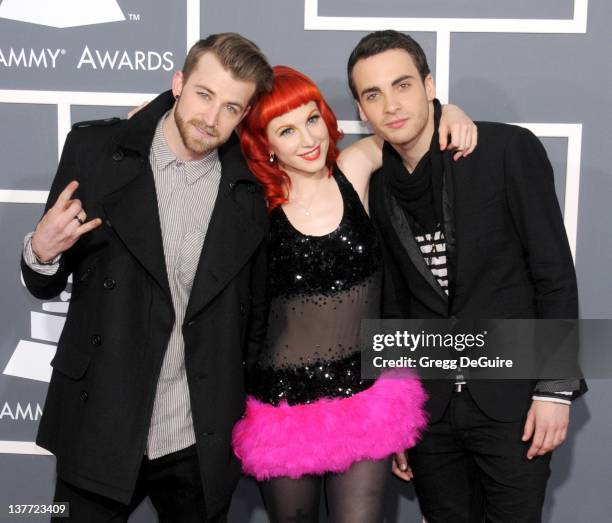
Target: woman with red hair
311,419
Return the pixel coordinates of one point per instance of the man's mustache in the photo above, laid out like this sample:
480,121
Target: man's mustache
208,128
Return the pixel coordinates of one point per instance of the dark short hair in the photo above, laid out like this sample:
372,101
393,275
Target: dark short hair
241,57
381,41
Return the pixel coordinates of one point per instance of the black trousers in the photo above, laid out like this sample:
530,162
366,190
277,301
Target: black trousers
172,483
469,468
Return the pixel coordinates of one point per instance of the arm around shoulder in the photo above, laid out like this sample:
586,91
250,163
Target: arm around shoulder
359,160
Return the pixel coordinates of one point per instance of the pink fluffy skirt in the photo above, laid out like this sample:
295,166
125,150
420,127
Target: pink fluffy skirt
330,434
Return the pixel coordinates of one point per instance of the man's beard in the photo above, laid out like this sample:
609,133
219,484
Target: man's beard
192,144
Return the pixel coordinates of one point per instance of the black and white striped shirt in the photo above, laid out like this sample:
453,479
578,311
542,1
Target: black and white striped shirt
433,249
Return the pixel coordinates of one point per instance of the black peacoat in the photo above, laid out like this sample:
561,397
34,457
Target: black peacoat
105,372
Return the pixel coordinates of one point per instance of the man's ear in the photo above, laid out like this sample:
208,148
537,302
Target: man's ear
362,115
177,83
430,87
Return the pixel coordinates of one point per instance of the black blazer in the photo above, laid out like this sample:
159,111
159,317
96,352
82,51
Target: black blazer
507,252
100,399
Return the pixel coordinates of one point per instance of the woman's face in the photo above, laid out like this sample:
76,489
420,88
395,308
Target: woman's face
299,139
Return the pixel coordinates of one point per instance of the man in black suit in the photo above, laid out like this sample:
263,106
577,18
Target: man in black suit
168,294
482,237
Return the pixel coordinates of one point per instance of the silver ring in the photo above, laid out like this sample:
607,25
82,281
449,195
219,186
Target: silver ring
79,220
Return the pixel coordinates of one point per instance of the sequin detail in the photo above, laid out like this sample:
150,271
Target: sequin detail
321,288
305,384
304,265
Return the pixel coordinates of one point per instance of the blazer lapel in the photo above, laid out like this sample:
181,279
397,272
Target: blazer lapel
406,238
448,212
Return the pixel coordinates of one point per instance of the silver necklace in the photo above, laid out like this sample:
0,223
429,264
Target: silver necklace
306,209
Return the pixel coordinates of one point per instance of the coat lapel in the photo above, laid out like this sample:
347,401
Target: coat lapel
232,234
134,215
131,200
132,208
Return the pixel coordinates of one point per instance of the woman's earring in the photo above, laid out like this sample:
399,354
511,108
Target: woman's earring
272,158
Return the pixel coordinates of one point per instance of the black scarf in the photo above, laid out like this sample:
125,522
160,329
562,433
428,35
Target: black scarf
419,193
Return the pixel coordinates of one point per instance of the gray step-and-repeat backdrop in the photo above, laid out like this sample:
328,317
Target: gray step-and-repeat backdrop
544,65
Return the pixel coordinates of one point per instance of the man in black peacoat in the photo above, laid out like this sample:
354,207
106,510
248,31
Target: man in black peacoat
105,373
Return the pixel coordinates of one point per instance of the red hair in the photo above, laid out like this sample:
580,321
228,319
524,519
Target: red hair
291,89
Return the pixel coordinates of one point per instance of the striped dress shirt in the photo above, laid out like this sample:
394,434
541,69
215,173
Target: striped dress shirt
186,194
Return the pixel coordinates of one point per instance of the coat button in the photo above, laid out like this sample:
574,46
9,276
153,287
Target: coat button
109,283
108,223
118,155
208,431
84,396
251,188
96,340
242,309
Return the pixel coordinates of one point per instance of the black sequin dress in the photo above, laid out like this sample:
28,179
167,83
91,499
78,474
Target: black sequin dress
321,287
309,411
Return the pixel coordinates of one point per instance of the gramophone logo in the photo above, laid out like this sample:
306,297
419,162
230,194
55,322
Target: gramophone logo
62,13
32,357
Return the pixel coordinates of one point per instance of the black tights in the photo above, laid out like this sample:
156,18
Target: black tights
355,496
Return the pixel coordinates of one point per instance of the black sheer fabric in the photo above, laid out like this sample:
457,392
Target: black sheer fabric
321,288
